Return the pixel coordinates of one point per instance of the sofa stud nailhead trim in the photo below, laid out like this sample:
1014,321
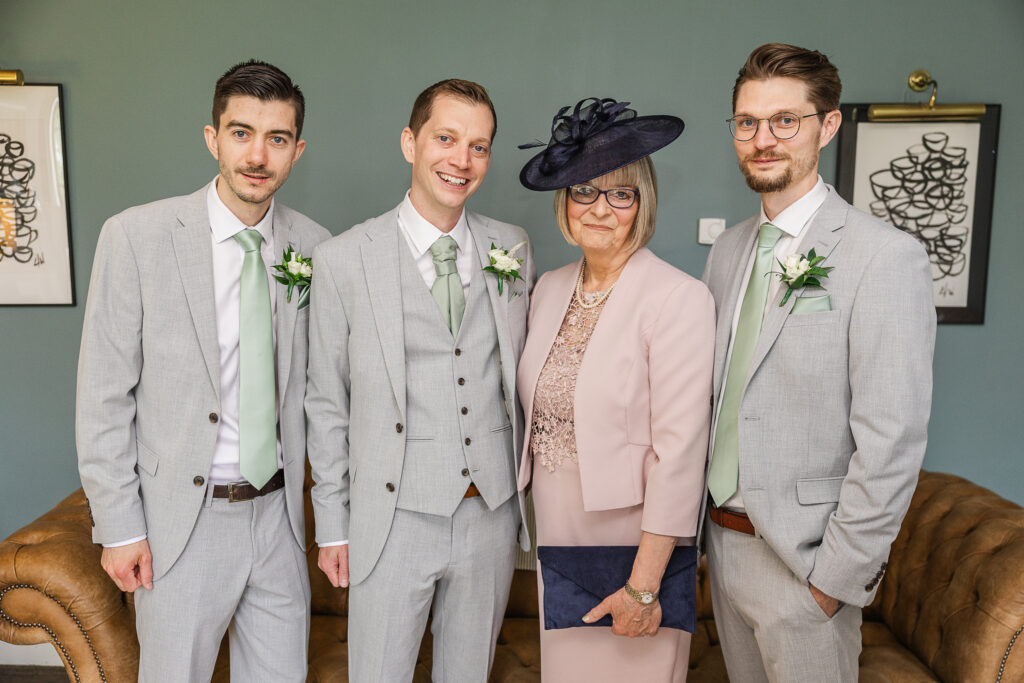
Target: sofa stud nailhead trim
53,636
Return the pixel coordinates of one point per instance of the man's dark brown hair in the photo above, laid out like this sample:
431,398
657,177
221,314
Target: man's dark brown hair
468,91
263,81
778,60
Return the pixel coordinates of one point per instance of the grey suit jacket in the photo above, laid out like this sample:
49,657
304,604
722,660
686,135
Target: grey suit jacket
149,373
356,397
834,416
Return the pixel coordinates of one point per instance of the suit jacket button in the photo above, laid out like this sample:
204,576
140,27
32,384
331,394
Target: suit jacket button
213,418
465,471
468,441
867,588
462,380
389,486
398,427
198,481
458,352
465,410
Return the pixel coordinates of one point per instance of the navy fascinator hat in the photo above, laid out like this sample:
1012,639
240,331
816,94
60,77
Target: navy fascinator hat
595,137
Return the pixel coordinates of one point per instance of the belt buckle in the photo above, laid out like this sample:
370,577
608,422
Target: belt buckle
232,498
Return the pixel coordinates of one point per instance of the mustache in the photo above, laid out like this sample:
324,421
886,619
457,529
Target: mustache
765,155
255,170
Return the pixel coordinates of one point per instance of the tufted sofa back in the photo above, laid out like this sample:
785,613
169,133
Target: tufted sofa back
954,591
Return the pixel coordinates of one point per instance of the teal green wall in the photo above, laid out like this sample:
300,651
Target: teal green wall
138,78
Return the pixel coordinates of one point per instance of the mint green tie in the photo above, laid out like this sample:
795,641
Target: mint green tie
724,475
447,289
257,410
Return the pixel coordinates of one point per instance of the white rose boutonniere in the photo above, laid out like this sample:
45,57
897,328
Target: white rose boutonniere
505,266
801,271
296,272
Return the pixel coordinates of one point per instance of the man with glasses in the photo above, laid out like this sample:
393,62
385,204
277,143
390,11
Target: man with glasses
822,388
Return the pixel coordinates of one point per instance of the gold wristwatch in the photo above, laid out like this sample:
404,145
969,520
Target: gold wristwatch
643,597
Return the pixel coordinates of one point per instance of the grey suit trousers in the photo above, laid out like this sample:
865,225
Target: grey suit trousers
462,563
242,561
770,626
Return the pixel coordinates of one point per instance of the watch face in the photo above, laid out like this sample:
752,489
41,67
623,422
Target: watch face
646,598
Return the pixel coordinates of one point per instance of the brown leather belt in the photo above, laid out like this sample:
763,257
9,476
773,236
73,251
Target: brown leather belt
237,492
737,521
472,492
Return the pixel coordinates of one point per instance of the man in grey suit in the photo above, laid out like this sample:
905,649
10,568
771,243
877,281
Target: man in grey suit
414,427
821,394
191,380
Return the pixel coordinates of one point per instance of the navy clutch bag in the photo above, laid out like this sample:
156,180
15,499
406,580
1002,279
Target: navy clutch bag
577,578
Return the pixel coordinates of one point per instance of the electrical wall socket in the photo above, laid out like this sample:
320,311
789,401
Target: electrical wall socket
708,229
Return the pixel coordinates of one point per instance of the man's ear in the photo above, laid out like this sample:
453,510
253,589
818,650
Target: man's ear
300,147
829,127
408,142
210,133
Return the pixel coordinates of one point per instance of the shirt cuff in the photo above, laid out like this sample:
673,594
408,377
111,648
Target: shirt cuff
332,544
128,542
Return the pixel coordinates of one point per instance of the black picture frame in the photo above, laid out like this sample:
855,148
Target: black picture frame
938,186
36,256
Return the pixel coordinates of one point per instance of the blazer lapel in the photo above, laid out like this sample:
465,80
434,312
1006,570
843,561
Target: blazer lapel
380,266
286,311
483,236
823,234
193,250
737,267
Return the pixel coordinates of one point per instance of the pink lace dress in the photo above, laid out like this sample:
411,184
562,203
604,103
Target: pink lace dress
590,653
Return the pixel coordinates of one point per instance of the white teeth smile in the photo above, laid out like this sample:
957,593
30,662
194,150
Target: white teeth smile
452,180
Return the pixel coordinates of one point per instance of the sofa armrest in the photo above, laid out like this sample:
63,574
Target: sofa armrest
53,589
954,591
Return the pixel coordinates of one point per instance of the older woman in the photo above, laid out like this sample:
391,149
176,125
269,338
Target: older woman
615,381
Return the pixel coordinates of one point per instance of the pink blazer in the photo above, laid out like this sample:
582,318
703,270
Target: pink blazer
642,409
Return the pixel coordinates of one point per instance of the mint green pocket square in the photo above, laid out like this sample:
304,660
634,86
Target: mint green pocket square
811,304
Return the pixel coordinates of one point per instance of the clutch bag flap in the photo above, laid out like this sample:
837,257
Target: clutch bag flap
577,578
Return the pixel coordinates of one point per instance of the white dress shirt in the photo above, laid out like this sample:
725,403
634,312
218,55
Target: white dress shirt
227,274
419,234
793,221
228,257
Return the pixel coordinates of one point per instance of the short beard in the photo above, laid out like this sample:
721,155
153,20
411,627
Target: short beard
763,185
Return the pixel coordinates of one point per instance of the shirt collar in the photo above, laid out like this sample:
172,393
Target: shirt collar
226,225
421,233
795,217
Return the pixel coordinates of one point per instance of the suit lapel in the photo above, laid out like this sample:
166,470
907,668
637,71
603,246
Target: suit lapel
737,267
823,234
380,265
286,311
193,250
484,235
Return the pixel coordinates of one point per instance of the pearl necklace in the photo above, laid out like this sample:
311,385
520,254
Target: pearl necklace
579,291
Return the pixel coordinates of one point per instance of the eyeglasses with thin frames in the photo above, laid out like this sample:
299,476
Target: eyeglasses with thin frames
617,197
783,125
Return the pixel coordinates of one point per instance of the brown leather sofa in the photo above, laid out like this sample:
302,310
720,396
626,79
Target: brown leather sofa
950,608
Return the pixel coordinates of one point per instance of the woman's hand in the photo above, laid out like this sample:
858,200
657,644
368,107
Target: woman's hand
629,617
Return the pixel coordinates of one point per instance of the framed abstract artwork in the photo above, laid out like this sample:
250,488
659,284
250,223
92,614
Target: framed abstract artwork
933,178
35,225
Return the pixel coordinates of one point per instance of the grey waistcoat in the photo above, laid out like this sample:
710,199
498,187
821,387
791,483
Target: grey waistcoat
457,429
